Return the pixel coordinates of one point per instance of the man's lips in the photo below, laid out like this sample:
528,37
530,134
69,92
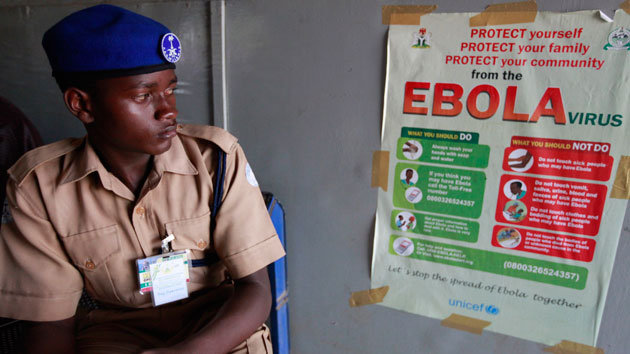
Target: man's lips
169,132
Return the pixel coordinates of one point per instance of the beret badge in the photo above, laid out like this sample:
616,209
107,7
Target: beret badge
171,48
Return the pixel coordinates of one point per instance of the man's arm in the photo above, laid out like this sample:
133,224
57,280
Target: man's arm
236,320
49,337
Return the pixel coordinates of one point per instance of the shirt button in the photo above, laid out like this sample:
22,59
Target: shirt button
202,244
140,211
89,264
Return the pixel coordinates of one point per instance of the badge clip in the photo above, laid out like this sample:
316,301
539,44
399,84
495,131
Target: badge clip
166,243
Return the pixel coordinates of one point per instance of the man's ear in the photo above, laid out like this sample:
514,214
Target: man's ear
79,104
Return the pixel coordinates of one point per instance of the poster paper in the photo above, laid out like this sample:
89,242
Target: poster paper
504,144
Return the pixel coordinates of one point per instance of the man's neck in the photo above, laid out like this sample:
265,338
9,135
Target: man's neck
131,169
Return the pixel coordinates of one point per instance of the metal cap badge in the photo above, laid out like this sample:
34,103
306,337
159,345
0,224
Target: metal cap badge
171,48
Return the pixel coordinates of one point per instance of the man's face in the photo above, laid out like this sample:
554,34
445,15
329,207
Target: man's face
134,114
514,188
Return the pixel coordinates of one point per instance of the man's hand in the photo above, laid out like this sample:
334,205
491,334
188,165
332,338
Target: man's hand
50,337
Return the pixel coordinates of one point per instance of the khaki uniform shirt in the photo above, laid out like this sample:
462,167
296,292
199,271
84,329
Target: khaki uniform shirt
72,224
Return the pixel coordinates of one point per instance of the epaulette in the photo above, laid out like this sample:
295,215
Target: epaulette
224,140
30,160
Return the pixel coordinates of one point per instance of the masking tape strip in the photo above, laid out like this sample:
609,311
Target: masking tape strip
380,167
625,6
621,187
464,323
367,297
506,14
568,347
405,14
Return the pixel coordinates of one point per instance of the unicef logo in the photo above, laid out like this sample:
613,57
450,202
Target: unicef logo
171,48
489,309
492,310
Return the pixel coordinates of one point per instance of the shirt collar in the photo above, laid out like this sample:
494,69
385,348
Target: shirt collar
86,161
80,164
175,160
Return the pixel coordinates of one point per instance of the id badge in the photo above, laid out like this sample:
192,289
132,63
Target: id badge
165,276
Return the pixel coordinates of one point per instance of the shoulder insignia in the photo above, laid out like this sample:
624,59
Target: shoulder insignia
223,139
33,158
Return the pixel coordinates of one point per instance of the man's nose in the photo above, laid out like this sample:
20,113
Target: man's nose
165,107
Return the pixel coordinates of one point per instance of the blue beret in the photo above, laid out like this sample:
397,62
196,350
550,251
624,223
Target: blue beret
110,41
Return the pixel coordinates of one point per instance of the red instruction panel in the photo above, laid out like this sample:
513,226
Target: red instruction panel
562,246
557,157
556,205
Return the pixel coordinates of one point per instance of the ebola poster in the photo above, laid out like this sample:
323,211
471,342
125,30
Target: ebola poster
507,175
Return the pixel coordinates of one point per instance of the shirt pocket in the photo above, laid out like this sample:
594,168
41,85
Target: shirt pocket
91,251
194,234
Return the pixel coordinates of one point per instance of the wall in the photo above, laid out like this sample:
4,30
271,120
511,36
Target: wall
305,94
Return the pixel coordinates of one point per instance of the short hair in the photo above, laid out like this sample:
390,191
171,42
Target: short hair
85,82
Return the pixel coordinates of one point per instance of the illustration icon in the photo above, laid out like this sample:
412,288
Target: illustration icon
408,177
412,149
405,221
413,195
508,237
514,211
403,246
515,189
520,160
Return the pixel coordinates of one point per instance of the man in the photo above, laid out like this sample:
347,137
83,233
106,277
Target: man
138,190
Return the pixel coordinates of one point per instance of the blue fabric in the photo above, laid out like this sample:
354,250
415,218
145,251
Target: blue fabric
103,38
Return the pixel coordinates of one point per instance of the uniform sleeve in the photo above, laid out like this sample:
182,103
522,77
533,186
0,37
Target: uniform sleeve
37,281
244,235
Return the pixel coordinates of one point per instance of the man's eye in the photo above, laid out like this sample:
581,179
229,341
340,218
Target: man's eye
171,90
142,97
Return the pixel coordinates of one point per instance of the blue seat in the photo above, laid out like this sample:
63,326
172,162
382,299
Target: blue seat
279,316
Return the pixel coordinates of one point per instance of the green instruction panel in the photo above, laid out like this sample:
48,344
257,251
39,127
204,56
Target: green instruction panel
435,225
439,190
513,266
443,152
